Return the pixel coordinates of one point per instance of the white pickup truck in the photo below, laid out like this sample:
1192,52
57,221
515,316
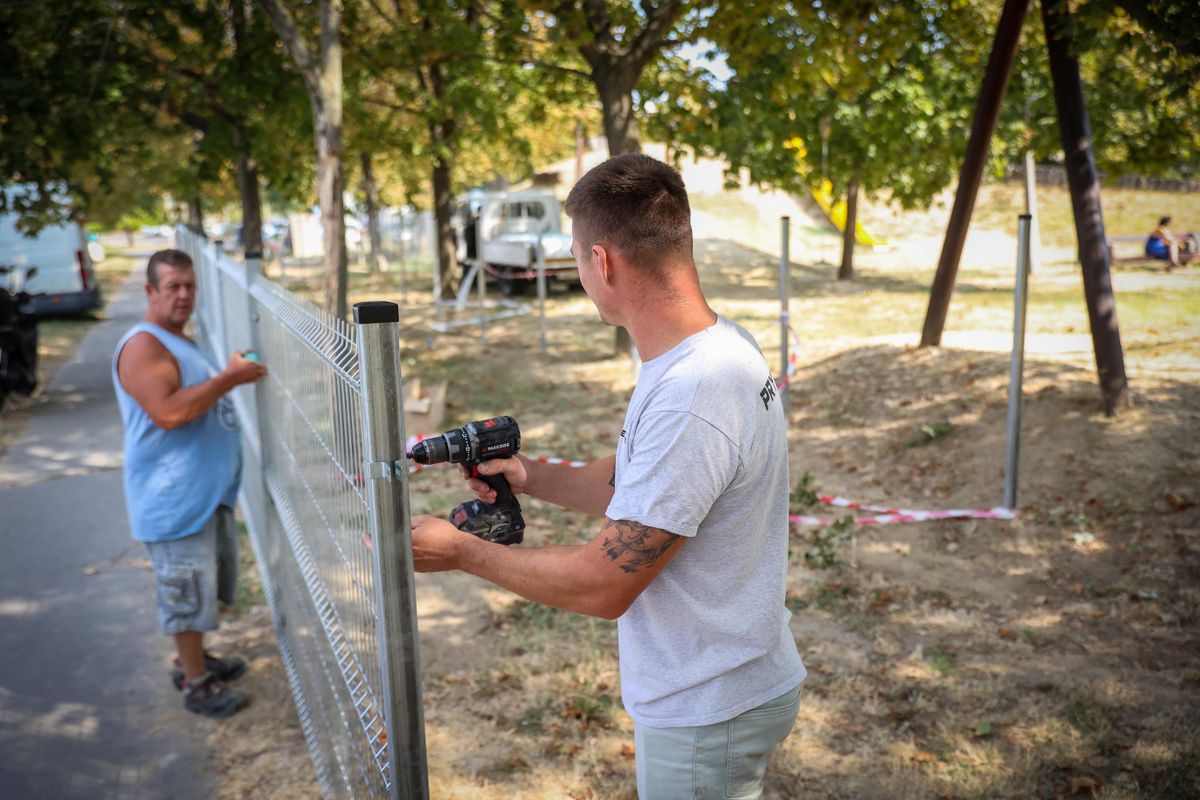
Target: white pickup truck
512,225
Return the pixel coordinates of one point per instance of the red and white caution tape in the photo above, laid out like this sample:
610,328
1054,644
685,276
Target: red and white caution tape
522,275
528,274
889,516
548,460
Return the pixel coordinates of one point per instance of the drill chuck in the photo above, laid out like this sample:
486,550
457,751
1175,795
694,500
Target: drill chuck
498,437
431,451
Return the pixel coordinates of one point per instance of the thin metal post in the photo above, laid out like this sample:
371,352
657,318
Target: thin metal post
541,289
1031,208
481,284
784,320
382,395
482,274
253,267
437,290
1012,449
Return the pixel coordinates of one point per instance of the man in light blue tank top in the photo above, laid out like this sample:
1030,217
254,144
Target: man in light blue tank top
691,558
183,463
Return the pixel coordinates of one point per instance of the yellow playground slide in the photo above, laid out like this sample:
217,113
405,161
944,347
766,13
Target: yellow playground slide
836,211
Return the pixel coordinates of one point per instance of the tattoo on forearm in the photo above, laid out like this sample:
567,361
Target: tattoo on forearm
635,545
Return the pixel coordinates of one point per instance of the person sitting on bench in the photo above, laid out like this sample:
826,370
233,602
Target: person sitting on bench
1163,245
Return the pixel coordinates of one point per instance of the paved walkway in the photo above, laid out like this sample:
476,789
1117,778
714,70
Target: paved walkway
86,709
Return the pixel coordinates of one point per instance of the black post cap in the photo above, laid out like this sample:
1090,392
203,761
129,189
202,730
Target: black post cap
375,311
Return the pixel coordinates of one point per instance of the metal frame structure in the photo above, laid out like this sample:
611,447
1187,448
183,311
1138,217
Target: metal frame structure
324,470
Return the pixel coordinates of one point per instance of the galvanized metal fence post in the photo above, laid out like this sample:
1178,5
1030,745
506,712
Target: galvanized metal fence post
541,290
1012,449
481,277
386,466
1031,208
254,269
784,320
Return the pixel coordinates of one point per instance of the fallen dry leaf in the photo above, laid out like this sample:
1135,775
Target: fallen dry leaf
627,750
1007,633
924,757
1084,784
1178,503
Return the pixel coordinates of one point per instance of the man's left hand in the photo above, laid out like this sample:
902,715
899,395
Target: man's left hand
436,544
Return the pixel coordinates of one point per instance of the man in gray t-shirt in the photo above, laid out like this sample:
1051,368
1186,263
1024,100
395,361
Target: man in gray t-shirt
692,556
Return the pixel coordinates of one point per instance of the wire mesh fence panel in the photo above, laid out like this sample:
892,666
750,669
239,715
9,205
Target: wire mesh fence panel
307,505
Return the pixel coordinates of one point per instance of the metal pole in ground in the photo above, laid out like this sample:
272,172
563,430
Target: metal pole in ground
378,327
1031,208
481,284
437,290
253,266
784,321
482,277
541,289
1012,449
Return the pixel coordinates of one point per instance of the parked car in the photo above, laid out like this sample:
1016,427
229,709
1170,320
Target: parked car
157,231
65,282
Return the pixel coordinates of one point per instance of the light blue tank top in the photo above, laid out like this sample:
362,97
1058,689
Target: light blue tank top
175,479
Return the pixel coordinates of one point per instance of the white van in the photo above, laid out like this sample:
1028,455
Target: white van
65,282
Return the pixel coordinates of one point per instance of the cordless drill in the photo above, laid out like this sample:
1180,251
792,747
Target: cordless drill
498,437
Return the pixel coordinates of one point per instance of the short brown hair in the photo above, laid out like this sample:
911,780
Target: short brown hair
637,205
172,258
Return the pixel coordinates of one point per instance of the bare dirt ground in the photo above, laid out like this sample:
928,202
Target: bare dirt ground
1050,657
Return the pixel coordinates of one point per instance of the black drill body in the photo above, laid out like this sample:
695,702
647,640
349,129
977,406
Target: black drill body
475,442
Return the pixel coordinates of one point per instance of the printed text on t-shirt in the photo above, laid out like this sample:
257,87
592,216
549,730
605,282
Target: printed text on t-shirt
767,393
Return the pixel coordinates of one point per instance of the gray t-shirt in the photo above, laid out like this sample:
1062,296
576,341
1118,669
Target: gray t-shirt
704,454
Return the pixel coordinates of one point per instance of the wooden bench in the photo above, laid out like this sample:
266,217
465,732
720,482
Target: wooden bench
1128,242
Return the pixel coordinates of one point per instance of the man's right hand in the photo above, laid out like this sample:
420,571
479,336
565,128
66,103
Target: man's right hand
512,468
241,370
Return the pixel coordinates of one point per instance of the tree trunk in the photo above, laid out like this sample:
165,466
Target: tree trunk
322,75
983,125
371,195
580,147
330,184
620,129
330,178
247,173
247,167
1084,183
196,215
443,209
616,104
849,231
